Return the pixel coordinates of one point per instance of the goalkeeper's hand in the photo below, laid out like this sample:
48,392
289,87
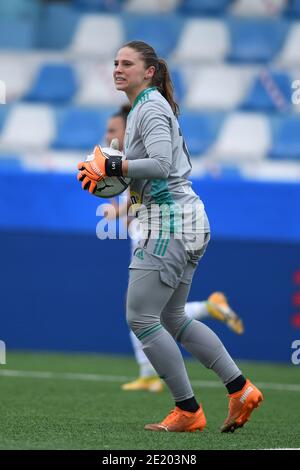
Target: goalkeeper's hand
92,170
97,166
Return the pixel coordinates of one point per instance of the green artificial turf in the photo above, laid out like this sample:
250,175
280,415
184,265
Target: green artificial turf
90,411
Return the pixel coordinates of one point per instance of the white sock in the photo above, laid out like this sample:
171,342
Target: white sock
196,310
146,369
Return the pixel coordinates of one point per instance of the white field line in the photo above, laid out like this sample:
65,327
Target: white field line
119,378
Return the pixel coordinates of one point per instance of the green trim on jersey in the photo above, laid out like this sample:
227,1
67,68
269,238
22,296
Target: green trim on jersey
161,245
143,96
165,246
140,254
171,220
160,192
183,329
149,331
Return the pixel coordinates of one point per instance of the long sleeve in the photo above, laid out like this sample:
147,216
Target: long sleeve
155,130
157,166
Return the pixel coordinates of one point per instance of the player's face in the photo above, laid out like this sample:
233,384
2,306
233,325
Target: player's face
115,129
130,74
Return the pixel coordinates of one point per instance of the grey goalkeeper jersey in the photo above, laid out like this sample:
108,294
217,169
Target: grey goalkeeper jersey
159,162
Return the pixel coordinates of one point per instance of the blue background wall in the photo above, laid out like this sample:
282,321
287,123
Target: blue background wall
64,289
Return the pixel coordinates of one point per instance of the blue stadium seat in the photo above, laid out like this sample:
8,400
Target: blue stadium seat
256,40
14,9
271,91
54,83
80,128
4,110
161,31
286,140
293,8
56,26
199,130
99,5
178,83
17,34
204,7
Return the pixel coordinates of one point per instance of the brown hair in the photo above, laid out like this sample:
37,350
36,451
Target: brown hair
123,112
161,78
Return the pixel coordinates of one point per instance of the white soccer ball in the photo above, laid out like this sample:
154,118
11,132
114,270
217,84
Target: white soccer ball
111,186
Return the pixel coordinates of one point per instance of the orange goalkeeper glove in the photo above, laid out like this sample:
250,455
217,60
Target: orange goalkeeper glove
92,170
98,166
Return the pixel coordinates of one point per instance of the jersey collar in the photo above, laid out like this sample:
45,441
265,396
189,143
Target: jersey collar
142,94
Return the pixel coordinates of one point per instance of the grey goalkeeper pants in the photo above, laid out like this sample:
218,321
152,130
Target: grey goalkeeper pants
155,313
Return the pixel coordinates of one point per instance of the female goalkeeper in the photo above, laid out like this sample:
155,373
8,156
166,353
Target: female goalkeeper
216,306
176,235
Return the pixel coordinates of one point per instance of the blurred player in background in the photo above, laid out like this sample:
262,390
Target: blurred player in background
215,306
162,269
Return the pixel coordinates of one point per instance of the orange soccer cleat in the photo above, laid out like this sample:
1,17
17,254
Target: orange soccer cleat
241,404
218,307
179,420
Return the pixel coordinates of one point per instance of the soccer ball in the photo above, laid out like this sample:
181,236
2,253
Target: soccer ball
111,186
